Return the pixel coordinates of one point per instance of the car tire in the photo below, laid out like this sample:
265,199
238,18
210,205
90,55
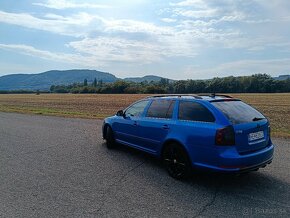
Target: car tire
110,140
176,161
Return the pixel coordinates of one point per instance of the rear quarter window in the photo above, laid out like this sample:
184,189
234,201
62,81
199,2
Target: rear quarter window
238,112
193,111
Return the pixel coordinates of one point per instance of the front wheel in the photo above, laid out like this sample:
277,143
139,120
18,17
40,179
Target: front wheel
110,140
176,161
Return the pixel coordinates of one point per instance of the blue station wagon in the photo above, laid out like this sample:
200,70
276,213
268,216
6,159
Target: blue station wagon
212,132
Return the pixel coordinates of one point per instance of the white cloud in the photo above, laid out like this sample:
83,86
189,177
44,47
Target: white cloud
274,67
228,10
194,9
168,20
189,33
185,39
47,55
75,25
190,23
256,48
64,4
196,13
189,28
81,24
160,42
113,49
133,26
195,3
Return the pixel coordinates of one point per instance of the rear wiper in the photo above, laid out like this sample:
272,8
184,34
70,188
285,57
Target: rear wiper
258,118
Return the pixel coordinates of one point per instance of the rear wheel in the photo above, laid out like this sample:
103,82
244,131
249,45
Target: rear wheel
110,140
176,161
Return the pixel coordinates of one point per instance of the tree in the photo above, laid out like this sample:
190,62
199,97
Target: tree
262,83
95,83
164,81
154,89
179,87
119,86
52,88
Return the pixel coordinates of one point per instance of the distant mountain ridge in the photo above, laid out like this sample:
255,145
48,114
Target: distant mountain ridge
43,81
148,78
282,77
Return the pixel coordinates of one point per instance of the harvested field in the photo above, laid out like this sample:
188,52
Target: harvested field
275,106
67,105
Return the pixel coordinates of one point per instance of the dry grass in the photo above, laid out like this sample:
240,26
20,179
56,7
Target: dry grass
67,105
275,106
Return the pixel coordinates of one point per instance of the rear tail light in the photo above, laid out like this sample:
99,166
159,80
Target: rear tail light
225,136
268,135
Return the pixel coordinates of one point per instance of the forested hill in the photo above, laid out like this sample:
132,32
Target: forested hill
148,78
43,81
83,81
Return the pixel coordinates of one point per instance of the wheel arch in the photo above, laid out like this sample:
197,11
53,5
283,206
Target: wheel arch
168,142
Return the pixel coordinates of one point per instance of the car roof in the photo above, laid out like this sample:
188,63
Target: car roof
207,97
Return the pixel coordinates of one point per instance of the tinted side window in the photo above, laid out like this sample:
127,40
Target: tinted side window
161,109
194,111
136,109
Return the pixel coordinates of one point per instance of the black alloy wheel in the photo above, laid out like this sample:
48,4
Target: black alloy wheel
110,140
176,161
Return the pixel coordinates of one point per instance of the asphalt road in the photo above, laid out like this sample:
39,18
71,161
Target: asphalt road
51,167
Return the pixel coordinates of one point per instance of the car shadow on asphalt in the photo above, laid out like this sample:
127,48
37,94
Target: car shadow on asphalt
260,180
200,177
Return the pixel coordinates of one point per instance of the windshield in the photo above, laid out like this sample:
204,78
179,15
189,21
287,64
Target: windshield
238,112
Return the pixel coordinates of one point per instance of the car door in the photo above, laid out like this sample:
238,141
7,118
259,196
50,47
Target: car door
197,128
155,125
126,126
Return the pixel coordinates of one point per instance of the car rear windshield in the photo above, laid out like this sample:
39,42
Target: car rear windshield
238,112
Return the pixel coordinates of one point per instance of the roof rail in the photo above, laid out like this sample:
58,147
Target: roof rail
213,95
175,95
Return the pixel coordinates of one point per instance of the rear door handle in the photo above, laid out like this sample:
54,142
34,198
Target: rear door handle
135,123
165,127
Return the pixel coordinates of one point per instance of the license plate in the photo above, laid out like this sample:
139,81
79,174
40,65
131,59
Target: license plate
256,135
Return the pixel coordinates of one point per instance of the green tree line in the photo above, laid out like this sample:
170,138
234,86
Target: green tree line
258,83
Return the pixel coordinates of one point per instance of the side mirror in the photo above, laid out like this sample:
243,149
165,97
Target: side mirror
120,113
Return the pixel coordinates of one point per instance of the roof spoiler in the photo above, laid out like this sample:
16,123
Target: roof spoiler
175,95
213,95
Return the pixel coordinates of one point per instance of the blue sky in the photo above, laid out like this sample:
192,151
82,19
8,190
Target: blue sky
190,39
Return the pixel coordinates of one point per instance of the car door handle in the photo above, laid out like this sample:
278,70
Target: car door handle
135,123
165,127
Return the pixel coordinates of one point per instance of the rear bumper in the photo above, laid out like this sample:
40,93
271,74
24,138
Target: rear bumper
230,161
253,168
